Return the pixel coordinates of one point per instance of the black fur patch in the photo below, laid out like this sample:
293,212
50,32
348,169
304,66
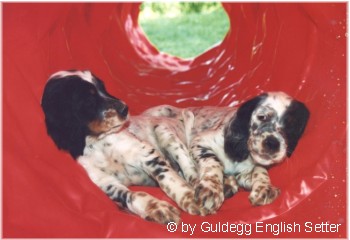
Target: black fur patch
60,104
237,133
121,198
159,171
294,123
155,162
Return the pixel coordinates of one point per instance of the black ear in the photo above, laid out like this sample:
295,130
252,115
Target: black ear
294,123
237,133
70,138
61,123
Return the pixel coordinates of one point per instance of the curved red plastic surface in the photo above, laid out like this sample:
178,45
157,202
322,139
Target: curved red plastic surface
296,48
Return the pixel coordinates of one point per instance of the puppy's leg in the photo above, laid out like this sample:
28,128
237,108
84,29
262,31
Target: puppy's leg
169,181
230,186
262,191
258,181
175,149
143,204
209,192
139,203
244,180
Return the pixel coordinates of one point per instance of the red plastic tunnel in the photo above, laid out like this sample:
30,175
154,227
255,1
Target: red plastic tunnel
292,47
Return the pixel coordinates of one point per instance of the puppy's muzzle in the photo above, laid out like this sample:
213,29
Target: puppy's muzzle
116,107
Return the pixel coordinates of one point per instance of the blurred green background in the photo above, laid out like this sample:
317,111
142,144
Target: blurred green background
184,29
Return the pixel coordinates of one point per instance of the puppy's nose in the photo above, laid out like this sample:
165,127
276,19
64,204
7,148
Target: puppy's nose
271,144
123,111
119,106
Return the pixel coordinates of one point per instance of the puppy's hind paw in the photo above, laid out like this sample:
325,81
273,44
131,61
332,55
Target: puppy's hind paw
209,196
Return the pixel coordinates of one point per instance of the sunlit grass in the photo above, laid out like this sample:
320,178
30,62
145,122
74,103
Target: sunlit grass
185,35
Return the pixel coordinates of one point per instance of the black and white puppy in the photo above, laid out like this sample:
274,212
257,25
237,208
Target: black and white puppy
233,147
117,150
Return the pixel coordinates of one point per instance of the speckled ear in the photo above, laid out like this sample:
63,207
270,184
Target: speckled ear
237,133
294,123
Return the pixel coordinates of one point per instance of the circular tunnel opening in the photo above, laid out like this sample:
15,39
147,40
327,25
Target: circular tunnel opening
184,29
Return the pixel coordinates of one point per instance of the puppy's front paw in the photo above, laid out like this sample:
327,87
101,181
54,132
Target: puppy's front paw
209,195
162,212
191,176
230,186
190,205
264,195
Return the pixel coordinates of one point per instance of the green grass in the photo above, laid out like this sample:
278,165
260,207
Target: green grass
186,35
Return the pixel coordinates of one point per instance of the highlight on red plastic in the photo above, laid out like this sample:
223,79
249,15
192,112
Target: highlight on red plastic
298,48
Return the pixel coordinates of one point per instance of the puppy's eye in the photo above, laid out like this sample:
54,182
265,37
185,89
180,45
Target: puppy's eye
263,118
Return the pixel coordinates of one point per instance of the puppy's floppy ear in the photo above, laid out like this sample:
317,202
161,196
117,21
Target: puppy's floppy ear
61,122
237,133
294,123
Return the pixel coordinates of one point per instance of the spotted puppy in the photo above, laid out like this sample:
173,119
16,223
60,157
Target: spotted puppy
233,147
117,150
